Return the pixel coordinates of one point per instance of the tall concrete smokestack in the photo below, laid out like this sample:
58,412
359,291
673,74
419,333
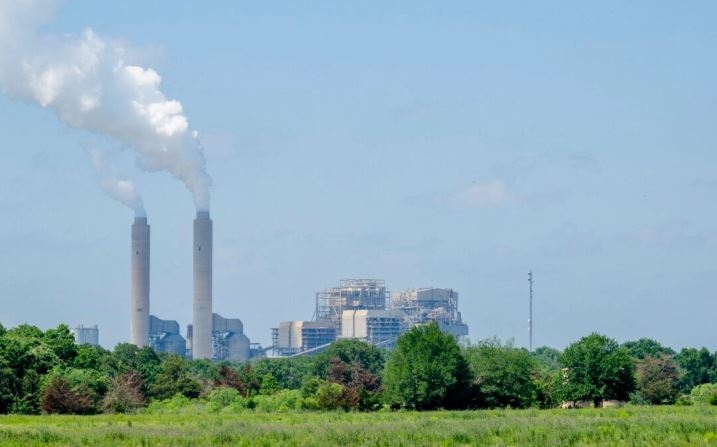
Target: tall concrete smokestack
202,326
139,318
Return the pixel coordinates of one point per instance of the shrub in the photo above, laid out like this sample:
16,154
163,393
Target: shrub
222,397
705,394
58,397
125,393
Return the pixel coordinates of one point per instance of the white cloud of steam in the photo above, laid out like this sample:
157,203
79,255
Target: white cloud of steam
87,81
482,195
118,188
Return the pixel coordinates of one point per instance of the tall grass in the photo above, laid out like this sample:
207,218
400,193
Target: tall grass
631,426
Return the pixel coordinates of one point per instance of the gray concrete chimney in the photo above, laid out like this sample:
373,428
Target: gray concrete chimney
139,314
202,324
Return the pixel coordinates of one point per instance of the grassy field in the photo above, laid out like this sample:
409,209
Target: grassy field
631,426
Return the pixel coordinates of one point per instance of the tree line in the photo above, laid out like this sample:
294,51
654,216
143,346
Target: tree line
46,372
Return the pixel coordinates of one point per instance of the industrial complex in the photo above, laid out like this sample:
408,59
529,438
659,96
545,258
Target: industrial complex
359,308
365,309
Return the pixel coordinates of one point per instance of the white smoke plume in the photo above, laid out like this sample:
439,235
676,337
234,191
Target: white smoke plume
90,84
118,188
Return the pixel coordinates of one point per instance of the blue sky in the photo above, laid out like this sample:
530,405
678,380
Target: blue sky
448,144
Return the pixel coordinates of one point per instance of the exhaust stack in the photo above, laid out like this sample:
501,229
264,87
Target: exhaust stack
139,317
202,324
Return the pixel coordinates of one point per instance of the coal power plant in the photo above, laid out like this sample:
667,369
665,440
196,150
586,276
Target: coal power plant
209,336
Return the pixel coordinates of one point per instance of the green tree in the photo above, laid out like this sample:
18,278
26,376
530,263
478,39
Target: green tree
173,379
698,367
128,357
356,366
351,352
547,359
288,372
93,357
503,375
426,371
597,369
125,393
657,380
62,343
647,347
58,396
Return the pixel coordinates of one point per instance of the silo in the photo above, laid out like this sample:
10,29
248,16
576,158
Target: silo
202,322
139,313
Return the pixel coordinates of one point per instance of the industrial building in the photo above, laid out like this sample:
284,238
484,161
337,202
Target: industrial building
164,336
228,340
351,294
89,335
427,304
292,337
364,309
377,327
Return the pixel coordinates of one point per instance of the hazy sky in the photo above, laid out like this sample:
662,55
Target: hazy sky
448,144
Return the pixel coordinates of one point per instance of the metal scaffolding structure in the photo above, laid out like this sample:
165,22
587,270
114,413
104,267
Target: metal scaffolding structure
430,304
351,294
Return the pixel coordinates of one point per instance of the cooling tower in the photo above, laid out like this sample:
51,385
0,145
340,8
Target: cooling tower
202,325
139,318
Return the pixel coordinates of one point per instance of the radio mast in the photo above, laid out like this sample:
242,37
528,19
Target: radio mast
530,317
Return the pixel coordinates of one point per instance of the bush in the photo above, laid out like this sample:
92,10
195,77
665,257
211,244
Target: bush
329,396
282,400
58,397
705,394
125,393
175,403
222,397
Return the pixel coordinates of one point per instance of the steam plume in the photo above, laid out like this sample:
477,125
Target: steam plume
120,189
91,84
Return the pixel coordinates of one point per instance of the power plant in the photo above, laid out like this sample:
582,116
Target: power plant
363,309
210,336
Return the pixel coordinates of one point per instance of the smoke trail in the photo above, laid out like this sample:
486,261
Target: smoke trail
89,83
118,188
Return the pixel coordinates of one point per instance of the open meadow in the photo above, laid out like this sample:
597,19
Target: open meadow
630,426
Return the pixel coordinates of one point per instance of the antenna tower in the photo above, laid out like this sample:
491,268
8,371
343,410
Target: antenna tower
530,317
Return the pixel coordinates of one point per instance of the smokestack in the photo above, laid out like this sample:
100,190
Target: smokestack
202,326
139,317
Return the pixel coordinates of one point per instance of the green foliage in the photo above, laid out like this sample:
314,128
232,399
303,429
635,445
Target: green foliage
647,347
128,357
190,424
173,379
173,405
351,352
222,397
546,359
705,394
503,375
657,380
282,400
125,393
597,369
269,384
93,357
329,396
62,343
61,397
698,367
288,372
426,370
